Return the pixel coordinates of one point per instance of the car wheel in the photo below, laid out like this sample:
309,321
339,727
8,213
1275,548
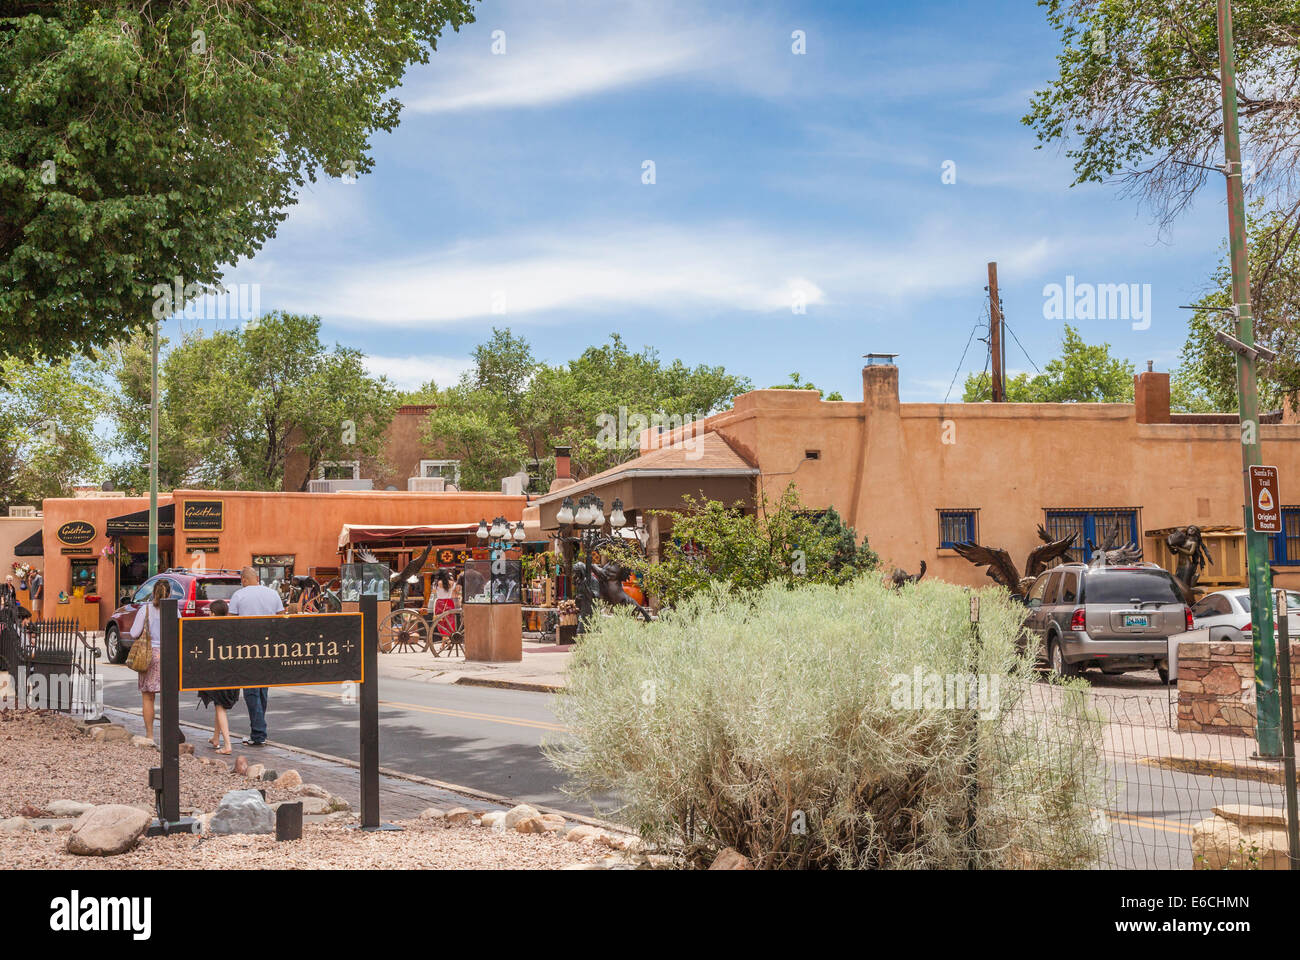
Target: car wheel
1060,666
113,645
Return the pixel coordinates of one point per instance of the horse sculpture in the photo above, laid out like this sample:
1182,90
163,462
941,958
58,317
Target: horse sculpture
605,580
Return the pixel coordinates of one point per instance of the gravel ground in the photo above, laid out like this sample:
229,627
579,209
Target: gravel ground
45,757
423,844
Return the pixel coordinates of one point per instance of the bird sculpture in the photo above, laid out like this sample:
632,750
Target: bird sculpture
1001,568
901,576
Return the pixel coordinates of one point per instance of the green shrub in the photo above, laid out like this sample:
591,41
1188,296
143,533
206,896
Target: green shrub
770,722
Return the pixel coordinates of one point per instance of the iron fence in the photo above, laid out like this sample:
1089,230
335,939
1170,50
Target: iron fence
53,664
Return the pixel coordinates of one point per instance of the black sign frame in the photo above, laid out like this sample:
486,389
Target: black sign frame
81,538
217,525
292,631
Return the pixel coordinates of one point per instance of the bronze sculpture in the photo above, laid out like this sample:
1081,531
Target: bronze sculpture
1187,544
606,582
1002,570
1112,553
901,576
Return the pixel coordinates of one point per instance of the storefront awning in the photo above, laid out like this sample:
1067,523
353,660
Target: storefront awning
33,546
353,533
137,524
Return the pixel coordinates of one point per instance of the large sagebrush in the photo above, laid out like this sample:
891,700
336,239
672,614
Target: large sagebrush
771,723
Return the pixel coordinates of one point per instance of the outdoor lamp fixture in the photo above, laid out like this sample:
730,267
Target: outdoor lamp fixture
565,514
482,532
519,532
616,517
499,528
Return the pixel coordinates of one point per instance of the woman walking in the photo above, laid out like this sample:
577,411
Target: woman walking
223,700
148,621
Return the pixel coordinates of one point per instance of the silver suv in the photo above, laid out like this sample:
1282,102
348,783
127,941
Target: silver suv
1114,618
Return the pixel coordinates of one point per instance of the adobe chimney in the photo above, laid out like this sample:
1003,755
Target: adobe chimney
563,477
1151,397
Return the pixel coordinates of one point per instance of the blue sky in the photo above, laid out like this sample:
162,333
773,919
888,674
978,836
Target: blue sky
514,183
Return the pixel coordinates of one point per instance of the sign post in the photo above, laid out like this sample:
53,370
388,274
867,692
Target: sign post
370,715
166,779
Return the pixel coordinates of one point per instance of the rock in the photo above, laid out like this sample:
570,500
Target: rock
242,811
268,775
458,815
67,808
30,812
582,832
108,830
338,804
530,825
241,766
310,790
340,816
730,859
255,771
108,733
496,820
521,812
289,779
1249,815
314,806
15,825
185,749
145,742
432,813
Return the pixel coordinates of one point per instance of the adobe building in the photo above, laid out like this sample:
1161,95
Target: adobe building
99,547
914,478
403,457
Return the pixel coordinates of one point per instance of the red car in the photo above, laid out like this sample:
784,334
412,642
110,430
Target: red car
195,588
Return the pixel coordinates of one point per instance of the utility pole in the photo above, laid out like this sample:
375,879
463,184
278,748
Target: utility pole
153,455
995,335
1267,702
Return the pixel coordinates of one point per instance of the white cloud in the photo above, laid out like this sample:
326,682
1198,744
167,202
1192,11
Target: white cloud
411,372
672,269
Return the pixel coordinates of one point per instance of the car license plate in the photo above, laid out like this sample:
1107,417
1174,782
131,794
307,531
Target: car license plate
1136,620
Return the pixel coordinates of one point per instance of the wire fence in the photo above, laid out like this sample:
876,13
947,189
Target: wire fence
1146,784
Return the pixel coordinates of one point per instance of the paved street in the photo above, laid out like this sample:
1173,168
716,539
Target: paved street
481,738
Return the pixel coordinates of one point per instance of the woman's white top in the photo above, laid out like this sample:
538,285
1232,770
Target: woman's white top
155,624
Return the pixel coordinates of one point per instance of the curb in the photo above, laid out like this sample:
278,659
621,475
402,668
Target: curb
472,793
509,685
1227,769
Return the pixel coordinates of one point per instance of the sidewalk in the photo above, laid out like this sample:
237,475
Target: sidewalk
543,669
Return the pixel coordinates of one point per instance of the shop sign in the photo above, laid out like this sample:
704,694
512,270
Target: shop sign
75,533
1265,501
203,515
273,560
223,653
84,551
202,541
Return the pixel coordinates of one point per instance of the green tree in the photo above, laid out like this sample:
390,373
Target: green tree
1083,373
510,408
145,141
235,405
1275,290
714,543
797,383
1137,97
48,439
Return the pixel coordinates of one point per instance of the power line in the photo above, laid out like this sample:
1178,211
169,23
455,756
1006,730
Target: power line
1018,344
957,372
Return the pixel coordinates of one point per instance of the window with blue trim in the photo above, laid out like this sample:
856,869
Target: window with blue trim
1284,547
1095,526
955,526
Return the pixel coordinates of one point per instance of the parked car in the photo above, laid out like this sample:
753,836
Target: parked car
1226,613
195,588
1114,618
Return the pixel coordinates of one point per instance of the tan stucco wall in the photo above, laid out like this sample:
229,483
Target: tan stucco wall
887,469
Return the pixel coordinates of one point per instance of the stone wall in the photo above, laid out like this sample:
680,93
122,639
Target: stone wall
1216,687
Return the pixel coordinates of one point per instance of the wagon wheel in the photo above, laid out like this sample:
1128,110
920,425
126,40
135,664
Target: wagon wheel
403,631
447,633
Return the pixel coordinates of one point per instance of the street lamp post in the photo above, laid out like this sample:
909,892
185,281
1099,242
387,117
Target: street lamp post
583,525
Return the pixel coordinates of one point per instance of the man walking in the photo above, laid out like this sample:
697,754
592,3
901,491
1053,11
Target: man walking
255,600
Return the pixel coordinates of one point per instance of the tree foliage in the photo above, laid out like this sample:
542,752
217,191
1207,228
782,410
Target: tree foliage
798,383
715,543
1137,97
48,440
510,408
1083,373
235,405
145,141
